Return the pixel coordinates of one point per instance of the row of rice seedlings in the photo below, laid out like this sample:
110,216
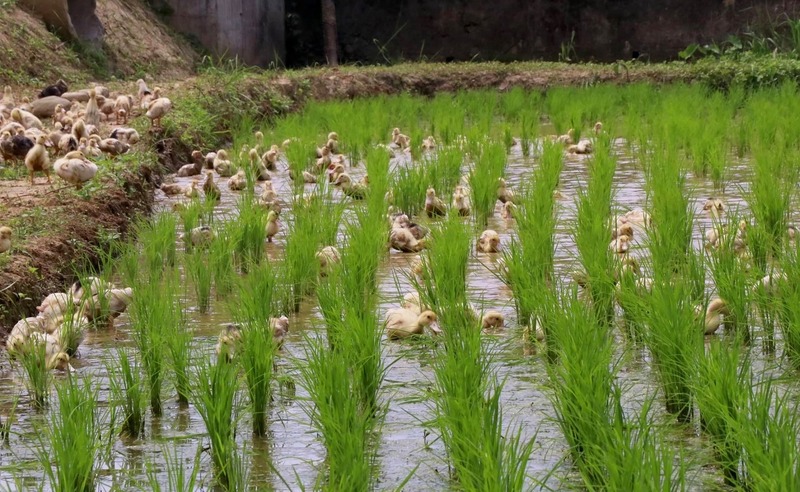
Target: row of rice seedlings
195,214
248,232
530,260
70,445
129,391
36,375
770,195
158,237
467,405
592,232
214,394
252,309
196,264
221,258
314,223
609,451
440,170
487,168
178,340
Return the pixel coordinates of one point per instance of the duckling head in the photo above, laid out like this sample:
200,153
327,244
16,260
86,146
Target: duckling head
343,178
717,306
493,319
275,148
396,132
197,155
333,136
59,361
5,232
16,115
253,155
598,127
222,154
259,137
430,193
40,140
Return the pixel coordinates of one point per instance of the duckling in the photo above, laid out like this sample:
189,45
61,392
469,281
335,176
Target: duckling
509,210
308,178
401,221
142,89
13,147
112,146
75,169
210,188
109,303
400,140
67,143
324,159
268,195
625,229
157,109
5,238
412,302
38,159
238,181
191,192
492,319
172,189
428,143
280,328
334,171
79,130
620,245
488,242
791,232
568,138
194,168
460,204
637,217
21,332
92,113
8,97
598,128
583,147
258,166
55,357
356,191
127,135
503,193
199,236
272,225
713,315
327,256
78,291
333,142
402,323
122,108
26,119
270,157
88,146
227,342
714,206
222,164
402,240
434,207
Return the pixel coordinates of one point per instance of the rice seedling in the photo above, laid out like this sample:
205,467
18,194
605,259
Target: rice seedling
178,340
214,394
196,263
298,157
731,278
69,446
221,259
248,232
129,390
158,238
488,167
721,390
178,480
771,192
784,286
252,310
196,214
36,374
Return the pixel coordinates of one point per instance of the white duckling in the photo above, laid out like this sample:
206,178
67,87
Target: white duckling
21,332
488,242
238,181
37,159
55,357
158,108
228,342
191,192
222,164
75,169
621,244
400,140
504,194
714,207
460,204
280,328
492,319
403,323
327,257
713,315
428,143
199,236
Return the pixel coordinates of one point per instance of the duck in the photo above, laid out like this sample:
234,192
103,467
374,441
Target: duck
55,305
142,89
258,166
38,159
75,169
403,240
568,138
227,342
434,207
270,157
400,140
488,242
5,239
503,193
268,195
110,304
332,145
26,119
334,171
222,164
194,168
67,143
272,225
620,245
14,147
428,143
55,356
356,191
191,192
401,221
403,323
21,332
583,147
78,290
157,109
412,302
637,217
598,128
492,319
508,211
172,189
714,206
327,257
238,181
199,236
210,188
791,232
625,229
713,315
308,178
122,108
112,146
127,135
280,328
92,113
89,148
460,204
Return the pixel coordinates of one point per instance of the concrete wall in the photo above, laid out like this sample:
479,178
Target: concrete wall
605,30
71,19
253,30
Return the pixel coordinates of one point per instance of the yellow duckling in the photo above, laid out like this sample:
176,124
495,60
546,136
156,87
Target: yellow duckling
268,195
434,207
210,188
714,206
21,332
222,164
38,159
503,193
636,217
621,244
400,140
194,168
428,143
460,204
334,171
327,257
713,315
272,225
227,342
412,302
55,357
280,328
270,157
260,169
568,138
26,119
199,236
493,320
509,210
238,181
598,128
489,242
356,191
192,192
92,113
583,147
172,189
625,229
75,169
402,323
5,238
403,240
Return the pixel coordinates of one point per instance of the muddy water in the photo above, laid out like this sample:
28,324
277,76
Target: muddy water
292,446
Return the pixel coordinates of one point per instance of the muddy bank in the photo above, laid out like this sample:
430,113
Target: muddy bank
59,232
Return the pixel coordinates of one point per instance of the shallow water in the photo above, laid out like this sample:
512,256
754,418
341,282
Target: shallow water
405,444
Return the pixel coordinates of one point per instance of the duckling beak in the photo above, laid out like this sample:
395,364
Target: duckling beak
435,328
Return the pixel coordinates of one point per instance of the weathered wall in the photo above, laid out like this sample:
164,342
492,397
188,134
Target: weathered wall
605,30
253,30
71,19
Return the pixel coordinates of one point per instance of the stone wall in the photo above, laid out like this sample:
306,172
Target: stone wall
71,19
441,30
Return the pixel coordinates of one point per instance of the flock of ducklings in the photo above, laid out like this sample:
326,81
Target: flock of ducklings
57,331
71,139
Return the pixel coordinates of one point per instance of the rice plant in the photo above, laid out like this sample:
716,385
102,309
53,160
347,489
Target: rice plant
36,374
196,263
178,480
249,232
129,390
158,238
731,278
488,167
222,260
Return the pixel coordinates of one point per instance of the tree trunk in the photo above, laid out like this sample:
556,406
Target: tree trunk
329,32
